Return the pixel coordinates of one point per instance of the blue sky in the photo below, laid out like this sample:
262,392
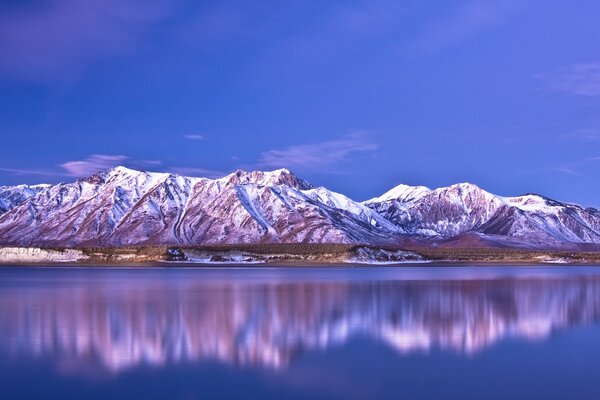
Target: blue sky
357,96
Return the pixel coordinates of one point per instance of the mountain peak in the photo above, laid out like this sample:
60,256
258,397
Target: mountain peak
464,185
463,188
120,169
281,176
402,193
102,176
130,207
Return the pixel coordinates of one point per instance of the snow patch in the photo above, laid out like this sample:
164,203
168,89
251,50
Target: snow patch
38,255
376,256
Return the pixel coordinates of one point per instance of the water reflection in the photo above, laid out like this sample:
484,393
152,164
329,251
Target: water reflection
118,324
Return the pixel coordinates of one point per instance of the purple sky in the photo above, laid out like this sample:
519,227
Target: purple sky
357,96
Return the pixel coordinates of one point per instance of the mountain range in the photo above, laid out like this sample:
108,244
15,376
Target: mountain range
125,207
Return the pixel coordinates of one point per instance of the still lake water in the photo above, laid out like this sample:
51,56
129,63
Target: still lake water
299,333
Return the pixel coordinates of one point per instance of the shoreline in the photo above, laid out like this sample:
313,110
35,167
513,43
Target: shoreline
292,255
433,264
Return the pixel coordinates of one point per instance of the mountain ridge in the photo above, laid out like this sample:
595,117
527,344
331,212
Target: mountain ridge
124,207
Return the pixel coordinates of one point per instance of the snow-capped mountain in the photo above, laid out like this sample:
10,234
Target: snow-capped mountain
12,196
122,207
126,207
450,211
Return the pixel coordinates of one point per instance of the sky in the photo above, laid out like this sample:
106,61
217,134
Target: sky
357,96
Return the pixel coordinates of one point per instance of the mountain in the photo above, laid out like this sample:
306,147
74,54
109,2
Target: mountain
122,207
12,196
463,208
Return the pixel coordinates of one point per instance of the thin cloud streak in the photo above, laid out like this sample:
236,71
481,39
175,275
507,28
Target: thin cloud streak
31,172
92,164
571,169
194,136
565,170
323,156
576,79
99,162
589,135
197,172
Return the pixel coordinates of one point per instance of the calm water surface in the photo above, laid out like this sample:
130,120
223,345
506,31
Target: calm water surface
300,333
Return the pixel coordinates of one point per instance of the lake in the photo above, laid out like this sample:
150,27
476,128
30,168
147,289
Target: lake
299,333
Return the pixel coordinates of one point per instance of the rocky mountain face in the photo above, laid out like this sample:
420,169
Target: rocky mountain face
126,207
12,196
465,208
122,207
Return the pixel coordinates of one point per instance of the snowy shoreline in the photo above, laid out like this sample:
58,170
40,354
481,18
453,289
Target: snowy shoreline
286,255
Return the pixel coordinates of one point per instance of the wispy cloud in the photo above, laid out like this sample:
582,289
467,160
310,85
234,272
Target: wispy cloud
467,20
193,136
564,170
573,168
92,164
99,162
55,39
576,79
198,172
31,172
588,135
322,156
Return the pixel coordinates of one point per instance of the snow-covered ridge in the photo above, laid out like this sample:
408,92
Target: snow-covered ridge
450,211
457,192
121,207
12,196
402,193
341,202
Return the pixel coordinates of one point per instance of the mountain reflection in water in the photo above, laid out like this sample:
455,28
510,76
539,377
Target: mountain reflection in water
122,322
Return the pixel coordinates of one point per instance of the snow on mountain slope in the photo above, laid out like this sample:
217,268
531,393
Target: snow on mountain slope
457,209
12,196
403,193
540,219
441,212
352,208
127,207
